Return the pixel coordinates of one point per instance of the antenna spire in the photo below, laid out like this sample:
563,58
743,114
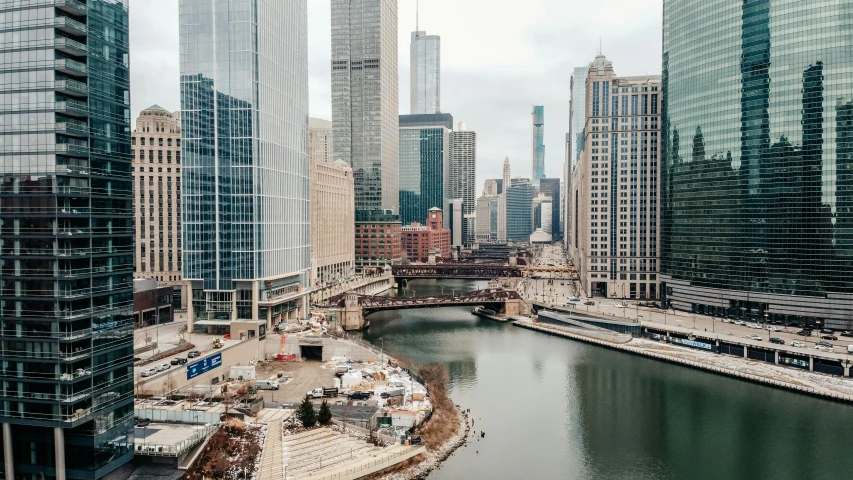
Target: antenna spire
599,45
417,14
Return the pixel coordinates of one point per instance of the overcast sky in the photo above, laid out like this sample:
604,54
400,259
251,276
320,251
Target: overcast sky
498,59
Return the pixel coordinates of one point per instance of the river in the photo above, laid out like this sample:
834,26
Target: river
553,408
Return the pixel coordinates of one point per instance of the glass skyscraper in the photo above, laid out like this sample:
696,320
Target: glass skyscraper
519,211
756,196
424,157
425,71
244,107
66,240
538,143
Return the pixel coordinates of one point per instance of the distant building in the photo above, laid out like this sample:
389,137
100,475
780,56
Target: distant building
419,240
487,219
540,237
365,97
320,140
157,189
425,73
550,187
490,188
332,218
377,238
503,185
519,210
455,221
615,199
152,304
424,163
537,149
461,184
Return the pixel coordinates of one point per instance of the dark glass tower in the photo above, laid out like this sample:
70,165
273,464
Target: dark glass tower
756,218
66,240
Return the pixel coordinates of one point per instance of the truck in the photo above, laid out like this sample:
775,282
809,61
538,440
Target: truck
323,392
850,349
217,343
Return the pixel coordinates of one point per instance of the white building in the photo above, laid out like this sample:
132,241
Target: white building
365,99
332,222
425,71
462,173
616,207
320,140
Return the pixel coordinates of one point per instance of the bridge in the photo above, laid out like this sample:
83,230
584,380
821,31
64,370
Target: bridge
352,308
472,271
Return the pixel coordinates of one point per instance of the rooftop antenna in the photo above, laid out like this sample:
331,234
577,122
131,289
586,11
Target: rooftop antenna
599,45
417,13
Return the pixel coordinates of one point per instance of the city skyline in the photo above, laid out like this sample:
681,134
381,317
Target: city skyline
539,50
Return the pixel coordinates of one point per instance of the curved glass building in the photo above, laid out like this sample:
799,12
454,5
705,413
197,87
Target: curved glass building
757,174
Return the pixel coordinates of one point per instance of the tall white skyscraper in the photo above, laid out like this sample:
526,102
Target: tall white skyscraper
537,144
425,68
246,174
365,98
463,161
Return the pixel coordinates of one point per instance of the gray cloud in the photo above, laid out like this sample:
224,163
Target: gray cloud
499,58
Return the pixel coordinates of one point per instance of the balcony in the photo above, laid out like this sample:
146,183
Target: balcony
72,129
72,87
73,108
69,25
66,45
71,67
71,6
71,150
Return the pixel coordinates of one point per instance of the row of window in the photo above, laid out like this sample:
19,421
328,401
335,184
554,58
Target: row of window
159,141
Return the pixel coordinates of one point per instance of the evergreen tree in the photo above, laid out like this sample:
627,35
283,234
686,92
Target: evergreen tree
306,413
325,415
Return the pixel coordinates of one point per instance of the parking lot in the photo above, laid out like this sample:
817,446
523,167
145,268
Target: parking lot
302,377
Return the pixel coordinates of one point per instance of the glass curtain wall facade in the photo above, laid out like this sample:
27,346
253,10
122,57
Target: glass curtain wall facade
756,172
66,240
519,211
538,144
425,71
423,159
550,187
246,174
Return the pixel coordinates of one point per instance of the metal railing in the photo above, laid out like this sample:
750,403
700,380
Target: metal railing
384,461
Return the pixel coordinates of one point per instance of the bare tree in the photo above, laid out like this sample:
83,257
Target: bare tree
169,386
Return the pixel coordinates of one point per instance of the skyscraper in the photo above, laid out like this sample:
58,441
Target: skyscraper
614,185
66,227
425,69
538,144
519,210
461,184
550,187
424,161
246,173
502,207
577,113
365,99
320,140
157,189
755,165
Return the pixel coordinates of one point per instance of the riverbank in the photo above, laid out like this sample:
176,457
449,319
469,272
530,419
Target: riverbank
824,386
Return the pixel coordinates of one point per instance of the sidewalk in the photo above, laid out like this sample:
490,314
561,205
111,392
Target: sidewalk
272,460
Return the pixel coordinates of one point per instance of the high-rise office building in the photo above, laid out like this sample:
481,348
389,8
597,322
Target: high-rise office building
66,228
461,178
503,186
320,140
614,186
425,70
490,187
424,163
577,113
157,190
755,201
537,144
246,172
365,99
550,187
565,189
519,210
455,221
332,214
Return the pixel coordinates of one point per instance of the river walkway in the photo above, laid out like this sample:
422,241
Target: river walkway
759,372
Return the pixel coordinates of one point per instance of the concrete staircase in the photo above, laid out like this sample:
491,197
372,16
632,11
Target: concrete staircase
272,459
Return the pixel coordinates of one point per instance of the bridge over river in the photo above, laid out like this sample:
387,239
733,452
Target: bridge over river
351,308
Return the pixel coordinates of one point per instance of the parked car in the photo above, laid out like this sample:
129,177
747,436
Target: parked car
826,330
194,354
847,333
777,341
795,343
619,305
163,367
359,396
148,372
589,302
267,384
754,325
772,329
824,345
829,337
739,322
178,361
141,422
755,337
805,333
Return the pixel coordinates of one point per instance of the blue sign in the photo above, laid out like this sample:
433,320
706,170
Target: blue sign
204,365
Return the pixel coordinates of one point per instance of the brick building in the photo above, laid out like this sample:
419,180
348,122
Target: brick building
377,238
418,240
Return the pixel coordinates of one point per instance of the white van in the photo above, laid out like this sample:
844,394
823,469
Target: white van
267,384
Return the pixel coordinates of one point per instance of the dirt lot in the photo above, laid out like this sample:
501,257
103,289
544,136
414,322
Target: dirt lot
304,376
